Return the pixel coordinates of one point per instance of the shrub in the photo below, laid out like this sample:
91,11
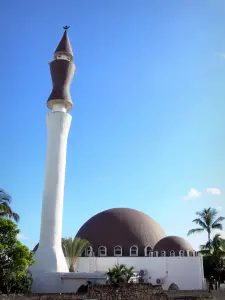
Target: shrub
15,258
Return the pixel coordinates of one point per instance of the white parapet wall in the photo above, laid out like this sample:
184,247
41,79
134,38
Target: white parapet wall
186,272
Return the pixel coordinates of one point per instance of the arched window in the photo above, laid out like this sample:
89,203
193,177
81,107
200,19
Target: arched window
148,251
155,253
163,253
181,252
172,253
117,251
63,56
89,251
134,251
102,251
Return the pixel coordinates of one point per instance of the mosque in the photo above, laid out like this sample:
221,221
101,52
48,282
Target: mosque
130,237
117,235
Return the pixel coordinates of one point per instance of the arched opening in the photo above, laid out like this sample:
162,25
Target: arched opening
134,251
163,253
89,251
117,251
148,251
172,253
173,287
102,251
63,57
181,252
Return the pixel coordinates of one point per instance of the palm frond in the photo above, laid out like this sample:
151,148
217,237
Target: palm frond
218,226
217,223
200,222
5,209
16,217
205,252
196,230
204,247
4,197
207,215
73,248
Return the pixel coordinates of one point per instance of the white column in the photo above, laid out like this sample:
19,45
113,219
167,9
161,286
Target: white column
49,256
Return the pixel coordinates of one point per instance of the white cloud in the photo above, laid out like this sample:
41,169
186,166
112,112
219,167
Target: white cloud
22,237
213,191
192,193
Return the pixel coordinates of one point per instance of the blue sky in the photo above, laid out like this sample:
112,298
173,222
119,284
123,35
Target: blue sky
148,117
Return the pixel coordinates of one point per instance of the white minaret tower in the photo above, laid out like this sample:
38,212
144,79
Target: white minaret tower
49,256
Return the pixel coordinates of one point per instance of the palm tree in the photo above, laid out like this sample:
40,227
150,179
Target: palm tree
5,209
214,253
72,249
207,220
214,248
119,274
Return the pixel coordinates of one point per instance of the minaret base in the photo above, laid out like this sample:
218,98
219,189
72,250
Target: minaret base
45,277
49,260
55,283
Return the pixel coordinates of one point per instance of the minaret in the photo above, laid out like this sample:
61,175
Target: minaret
49,256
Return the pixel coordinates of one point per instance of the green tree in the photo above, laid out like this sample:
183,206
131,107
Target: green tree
207,220
72,249
119,274
214,248
213,260
5,208
15,258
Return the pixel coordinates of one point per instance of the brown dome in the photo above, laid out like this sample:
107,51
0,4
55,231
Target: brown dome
172,243
121,226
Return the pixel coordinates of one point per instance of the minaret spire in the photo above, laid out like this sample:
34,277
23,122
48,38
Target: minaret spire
64,46
62,70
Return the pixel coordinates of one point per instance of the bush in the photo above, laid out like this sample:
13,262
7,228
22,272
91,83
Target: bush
15,258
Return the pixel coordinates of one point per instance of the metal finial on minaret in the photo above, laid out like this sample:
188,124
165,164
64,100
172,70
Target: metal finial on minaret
66,27
62,71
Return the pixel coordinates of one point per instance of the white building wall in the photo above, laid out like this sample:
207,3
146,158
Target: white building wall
185,272
53,283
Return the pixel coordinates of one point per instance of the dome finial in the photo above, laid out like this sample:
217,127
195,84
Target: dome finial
66,27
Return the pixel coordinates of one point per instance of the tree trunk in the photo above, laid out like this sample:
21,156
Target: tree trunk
209,241
71,268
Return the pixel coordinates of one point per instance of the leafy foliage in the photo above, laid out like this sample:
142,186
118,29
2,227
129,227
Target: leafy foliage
119,274
72,249
214,247
5,209
207,220
213,261
15,258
